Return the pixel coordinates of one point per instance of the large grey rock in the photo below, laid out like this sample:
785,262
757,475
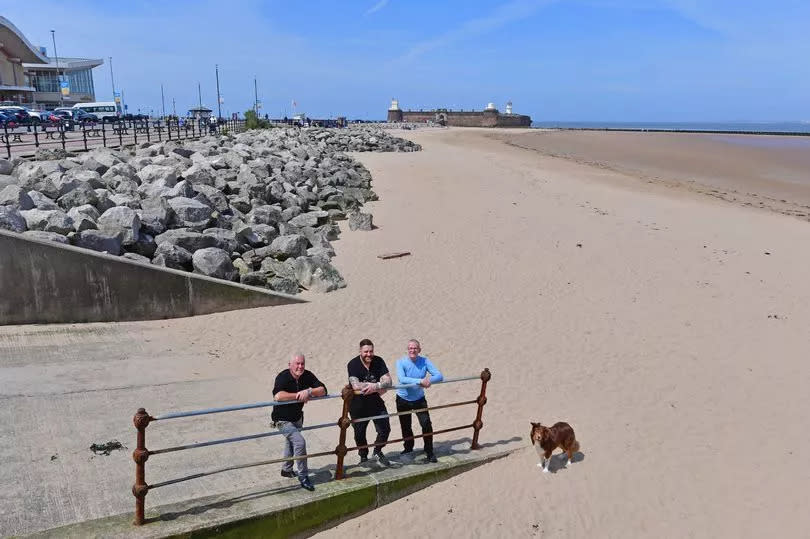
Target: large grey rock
104,201
291,246
181,189
214,262
154,215
279,268
48,220
16,196
145,246
135,257
129,201
360,221
81,195
90,177
172,256
46,236
42,202
29,172
154,173
122,222
10,219
312,218
265,215
264,233
226,239
199,174
211,196
98,241
185,238
6,167
84,217
255,278
190,213
317,275
283,285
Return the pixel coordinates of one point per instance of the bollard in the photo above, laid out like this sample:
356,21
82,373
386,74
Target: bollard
344,423
140,456
482,400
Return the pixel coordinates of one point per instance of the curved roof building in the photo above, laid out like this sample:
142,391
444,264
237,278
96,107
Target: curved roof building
14,50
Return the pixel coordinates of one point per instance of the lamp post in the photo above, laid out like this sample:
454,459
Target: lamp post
112,81
219,99
255,98
162,101
58,77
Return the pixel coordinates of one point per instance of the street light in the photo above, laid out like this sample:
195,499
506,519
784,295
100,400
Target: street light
112,81
58,77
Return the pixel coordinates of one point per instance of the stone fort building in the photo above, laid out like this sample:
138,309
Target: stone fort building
489,117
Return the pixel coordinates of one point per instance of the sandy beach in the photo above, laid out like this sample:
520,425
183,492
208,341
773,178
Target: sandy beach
668,327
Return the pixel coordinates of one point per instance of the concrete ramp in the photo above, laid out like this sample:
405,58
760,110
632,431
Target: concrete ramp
285,509
45,282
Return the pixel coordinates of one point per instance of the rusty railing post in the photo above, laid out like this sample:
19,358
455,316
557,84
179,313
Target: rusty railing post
140,455
343,423
482,400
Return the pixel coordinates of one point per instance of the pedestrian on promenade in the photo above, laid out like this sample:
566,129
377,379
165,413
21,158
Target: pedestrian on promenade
295,384
414,368
369,375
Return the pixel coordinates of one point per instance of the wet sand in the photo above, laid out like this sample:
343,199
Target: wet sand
767,171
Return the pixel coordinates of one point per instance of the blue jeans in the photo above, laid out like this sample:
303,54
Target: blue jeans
294,445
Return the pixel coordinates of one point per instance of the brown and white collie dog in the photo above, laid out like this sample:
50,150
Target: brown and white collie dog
547,439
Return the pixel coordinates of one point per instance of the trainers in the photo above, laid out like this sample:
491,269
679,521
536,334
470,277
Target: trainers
382,459
406,451
363,458
285,473
430,458
306,483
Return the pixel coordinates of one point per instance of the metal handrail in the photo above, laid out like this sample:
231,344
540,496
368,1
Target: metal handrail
142,420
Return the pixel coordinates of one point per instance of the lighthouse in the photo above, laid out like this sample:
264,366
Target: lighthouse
508,107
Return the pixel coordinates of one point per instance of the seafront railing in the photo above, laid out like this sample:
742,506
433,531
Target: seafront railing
142,420
117,134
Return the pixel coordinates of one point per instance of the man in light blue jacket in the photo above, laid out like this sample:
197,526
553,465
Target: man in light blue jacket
416,369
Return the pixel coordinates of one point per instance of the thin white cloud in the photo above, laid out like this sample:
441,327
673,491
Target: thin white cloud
501,16
377,7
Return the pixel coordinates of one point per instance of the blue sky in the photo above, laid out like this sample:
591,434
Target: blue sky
577,60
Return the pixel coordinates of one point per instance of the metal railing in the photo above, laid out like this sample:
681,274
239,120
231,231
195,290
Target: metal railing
142,419
117,134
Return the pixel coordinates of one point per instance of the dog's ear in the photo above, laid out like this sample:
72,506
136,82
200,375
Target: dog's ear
534,424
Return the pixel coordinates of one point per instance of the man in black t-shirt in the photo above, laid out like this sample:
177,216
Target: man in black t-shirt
369,375
295,384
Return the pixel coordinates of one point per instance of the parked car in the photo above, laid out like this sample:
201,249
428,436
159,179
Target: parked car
8,120
20,113
81,116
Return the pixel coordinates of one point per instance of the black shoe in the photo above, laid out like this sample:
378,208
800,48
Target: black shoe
430,457
363,458
285,473
406,451
382,459
306,483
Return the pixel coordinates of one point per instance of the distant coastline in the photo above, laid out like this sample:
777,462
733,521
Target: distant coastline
752,128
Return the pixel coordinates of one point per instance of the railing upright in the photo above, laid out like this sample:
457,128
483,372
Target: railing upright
482,400
103,133
169,128
8,140
135,131
148,139
62,136
140,456
121,126
36,137
84,135
343,423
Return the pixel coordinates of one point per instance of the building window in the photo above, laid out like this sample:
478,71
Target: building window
45,81
81,81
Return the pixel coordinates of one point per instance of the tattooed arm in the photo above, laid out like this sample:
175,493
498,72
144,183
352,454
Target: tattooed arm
357,385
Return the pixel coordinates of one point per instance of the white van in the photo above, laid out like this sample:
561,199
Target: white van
102,109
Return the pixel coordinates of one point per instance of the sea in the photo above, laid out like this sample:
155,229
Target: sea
781,128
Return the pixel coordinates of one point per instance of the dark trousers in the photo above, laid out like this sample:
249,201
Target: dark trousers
424,422
383,428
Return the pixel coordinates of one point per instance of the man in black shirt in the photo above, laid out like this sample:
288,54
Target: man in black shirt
369,375
295,384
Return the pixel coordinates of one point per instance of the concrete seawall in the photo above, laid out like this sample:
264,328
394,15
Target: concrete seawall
46,282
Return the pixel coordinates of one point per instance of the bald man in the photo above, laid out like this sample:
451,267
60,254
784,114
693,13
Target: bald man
295,384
